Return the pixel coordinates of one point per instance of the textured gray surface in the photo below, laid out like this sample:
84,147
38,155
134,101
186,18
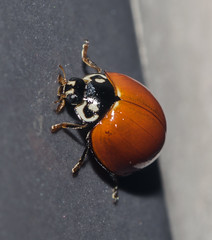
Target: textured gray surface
176,41
39,198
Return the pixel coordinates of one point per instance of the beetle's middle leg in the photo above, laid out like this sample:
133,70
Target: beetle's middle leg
77,166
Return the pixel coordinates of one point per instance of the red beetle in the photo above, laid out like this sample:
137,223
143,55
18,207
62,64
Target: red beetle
127,123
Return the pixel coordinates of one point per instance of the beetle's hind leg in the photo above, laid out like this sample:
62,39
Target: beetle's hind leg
115,196
86,59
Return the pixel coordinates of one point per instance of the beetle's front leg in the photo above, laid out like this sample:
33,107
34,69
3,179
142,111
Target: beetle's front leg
59,126
61,105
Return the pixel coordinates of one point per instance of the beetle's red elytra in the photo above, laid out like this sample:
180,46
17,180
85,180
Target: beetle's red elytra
132,132
128,126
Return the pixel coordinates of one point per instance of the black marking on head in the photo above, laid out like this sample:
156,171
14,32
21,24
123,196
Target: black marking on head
74,90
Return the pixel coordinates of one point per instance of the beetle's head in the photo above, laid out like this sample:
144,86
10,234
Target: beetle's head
70,92
73,91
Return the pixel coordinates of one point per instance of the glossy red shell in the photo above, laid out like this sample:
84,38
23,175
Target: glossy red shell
132,133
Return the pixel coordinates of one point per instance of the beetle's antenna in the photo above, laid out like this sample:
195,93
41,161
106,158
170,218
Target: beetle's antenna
60,92
64,74
86,59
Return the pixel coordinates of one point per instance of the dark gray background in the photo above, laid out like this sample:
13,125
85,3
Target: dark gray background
39,197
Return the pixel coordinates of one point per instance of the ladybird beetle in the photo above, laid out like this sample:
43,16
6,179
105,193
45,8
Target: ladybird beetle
127,126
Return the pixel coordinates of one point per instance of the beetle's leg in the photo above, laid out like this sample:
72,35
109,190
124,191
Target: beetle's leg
62,79
60,92
86,59
115,196
61,105
61,100
59,126
77,166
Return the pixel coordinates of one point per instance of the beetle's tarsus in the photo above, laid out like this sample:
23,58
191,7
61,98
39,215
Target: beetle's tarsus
59,126
64,74
55,128
77,167
115,196
86,59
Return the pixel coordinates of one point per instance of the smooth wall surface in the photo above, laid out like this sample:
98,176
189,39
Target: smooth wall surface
175,40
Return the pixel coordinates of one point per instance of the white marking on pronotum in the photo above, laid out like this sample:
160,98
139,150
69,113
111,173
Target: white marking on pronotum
100,80
93,104
88,79
93,107
79,111
147,163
